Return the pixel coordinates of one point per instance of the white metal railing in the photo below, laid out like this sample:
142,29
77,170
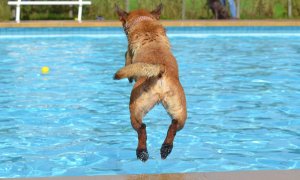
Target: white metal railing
18,4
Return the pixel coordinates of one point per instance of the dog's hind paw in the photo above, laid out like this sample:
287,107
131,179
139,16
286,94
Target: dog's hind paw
165,150
142,154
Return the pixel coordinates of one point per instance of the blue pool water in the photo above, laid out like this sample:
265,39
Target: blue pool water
242,87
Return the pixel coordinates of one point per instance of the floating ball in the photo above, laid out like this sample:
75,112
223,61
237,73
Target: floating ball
45,70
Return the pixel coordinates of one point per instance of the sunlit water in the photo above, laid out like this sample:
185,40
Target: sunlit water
243,96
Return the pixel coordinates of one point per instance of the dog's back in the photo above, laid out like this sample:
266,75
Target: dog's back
150,45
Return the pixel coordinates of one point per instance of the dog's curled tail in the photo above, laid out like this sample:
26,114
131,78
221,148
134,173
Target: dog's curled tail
140,70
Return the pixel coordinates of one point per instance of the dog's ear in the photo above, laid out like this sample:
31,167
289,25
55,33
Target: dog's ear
121,13
157,11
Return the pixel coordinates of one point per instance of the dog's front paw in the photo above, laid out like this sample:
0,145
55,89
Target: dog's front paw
117,76
142,154
165,150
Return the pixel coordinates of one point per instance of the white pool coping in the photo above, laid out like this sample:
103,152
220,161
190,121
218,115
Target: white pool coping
237,175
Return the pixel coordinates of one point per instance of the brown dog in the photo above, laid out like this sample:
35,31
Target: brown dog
149,61
219,11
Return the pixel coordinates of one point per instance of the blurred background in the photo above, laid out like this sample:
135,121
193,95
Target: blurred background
173,10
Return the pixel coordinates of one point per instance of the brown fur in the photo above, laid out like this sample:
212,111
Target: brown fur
139,69
150,62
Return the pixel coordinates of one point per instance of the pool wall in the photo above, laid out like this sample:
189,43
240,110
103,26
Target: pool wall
189,23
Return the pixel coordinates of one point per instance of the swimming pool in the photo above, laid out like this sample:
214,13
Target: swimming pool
242,87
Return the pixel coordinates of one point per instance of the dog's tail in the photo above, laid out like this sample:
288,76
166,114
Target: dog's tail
137,70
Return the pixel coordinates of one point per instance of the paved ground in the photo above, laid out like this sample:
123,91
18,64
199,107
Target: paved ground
164,22
249,175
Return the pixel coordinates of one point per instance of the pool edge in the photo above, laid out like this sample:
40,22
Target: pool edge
167,23
235,175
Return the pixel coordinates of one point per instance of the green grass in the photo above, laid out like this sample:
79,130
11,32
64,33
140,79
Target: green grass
103,8
5,12
195,9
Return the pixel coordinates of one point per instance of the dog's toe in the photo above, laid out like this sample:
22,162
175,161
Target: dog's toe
165,150
142,154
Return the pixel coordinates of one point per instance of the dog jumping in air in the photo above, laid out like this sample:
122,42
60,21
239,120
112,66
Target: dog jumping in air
151,64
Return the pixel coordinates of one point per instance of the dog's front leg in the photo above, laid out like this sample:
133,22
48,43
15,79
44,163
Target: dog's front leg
128,60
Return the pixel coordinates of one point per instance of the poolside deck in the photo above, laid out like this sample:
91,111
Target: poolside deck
164,22
249,175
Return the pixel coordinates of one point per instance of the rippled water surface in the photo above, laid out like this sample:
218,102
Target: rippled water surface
243,95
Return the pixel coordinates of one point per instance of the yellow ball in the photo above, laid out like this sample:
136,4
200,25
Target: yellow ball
45,70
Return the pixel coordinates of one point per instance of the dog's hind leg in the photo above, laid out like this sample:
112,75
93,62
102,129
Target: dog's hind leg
141,101
167,146
175,104
141,151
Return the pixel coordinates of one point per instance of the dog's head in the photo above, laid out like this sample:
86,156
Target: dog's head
132,18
